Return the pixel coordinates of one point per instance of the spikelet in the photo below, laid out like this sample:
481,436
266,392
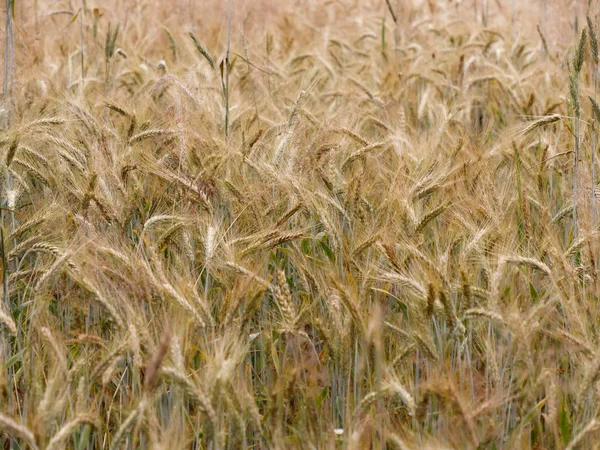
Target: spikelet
423,191
18,431
12,151
128,424
552,396
579,55
591,375
106,361
587,348
33,171
112,310
53,401
545,120
593,40
278,239
425,345
335,301
59,352
370,399
149,134
63,259
362,152
59,439
531,262
466,290
543,38
210,244
354,136
111,39
404,395
242,270
8,321
484,313
234,190
595,108
45,122
429,217
31,223
159,218
116,108
69,152
364,89
574,93
183,302
409,282
366,244
202,50
389,252
177,354
562,214
191,390
110,370
448,309
591,427
575,247
284,298
403,353
296,109
430,300
347,301
151,371
288,214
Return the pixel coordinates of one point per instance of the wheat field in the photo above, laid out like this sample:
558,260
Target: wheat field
299,225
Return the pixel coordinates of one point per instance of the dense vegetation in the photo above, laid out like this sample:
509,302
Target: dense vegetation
300,225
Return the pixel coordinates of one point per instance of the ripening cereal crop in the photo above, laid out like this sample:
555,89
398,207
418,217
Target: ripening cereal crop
300,224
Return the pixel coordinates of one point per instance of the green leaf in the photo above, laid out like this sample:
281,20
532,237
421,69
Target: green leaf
327,250
533,292
85,437
12,360
529,416
305,246
74,17
565,425
322,396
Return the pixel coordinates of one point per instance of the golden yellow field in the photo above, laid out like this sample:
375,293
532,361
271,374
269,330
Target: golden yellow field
306,224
